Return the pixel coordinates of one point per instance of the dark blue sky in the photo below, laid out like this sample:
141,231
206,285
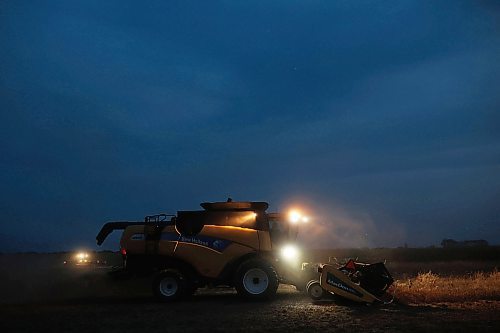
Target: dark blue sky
380,117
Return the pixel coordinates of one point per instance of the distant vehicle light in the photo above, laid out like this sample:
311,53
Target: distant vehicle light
82,255
83,258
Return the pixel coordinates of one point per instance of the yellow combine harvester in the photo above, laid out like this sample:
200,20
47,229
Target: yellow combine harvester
235,244
227,243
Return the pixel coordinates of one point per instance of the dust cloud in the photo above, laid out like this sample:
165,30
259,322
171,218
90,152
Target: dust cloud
339,227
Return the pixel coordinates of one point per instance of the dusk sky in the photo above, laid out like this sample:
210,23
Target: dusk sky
381,118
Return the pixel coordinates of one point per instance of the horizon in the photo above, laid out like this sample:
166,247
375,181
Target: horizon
429,247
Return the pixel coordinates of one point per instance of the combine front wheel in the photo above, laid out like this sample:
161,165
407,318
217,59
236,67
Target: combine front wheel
256,279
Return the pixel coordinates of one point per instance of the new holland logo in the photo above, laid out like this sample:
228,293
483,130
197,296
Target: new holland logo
216,244
194,240
336,282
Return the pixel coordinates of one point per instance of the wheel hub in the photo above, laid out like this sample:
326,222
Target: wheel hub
255,281
168,286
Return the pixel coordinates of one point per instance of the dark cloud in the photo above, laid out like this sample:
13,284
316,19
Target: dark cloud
382,115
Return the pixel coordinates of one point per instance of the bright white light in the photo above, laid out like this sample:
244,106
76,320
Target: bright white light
82,255
294,216
289,252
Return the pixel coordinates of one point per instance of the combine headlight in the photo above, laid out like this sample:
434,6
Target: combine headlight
289,253
294,216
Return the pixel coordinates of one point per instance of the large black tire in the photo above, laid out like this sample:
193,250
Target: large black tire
170,285
256,279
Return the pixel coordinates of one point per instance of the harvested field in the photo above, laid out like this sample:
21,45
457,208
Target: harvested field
40,294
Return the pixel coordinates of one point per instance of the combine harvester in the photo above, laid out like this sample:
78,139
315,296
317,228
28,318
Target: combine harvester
235,244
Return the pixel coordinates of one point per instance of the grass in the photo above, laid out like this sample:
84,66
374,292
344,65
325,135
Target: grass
432,288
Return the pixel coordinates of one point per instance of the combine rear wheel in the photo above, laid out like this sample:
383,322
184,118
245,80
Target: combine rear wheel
169,285
256,279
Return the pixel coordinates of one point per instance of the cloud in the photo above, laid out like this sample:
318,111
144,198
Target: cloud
386,111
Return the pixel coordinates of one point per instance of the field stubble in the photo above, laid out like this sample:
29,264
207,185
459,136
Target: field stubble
40,294
432,288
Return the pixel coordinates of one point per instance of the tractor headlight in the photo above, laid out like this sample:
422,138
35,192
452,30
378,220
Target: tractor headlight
290,253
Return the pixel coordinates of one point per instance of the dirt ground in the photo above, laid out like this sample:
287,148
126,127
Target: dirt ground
39,294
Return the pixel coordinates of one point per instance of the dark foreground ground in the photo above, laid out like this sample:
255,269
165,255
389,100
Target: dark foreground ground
224,311
38,294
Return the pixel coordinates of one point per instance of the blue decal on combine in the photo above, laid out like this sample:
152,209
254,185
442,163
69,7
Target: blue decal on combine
336,282
216,244
137,237
169,236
